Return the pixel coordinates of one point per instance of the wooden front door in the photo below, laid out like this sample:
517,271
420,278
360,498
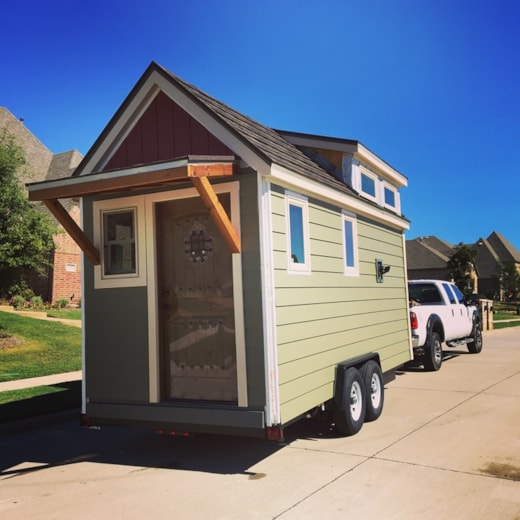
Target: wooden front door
196,303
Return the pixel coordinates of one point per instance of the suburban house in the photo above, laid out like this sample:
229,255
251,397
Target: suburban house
427,257
63,277
229,268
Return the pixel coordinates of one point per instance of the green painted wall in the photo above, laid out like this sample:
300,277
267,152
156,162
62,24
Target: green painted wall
326,317
116,320
252,290
116,337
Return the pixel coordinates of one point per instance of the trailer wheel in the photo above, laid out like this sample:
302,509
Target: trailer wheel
374,390
349,414
475,346
433,354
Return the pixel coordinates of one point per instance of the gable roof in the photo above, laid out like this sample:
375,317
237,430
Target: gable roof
422,254
503,248
266,143
431,252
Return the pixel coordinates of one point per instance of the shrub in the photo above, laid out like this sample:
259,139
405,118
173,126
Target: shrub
37,302
61,303
18,301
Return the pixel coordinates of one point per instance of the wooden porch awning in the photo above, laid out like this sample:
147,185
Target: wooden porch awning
196,169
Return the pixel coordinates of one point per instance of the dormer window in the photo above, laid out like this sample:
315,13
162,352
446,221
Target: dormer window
369,184
390,196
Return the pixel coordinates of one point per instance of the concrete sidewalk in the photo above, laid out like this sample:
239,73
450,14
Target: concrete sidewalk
54,379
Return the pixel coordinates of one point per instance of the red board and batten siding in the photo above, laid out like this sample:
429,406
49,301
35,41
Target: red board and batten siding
165,132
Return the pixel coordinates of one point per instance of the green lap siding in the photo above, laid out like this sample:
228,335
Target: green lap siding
326,317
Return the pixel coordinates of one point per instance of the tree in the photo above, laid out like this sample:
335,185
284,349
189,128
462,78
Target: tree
461,265
25,232
509,280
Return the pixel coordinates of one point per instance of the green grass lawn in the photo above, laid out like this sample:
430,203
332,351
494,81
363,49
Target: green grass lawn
499,316
31,348
66,314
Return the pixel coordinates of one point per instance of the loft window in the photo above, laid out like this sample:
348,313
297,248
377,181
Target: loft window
297,233
368,184
389,197
350,245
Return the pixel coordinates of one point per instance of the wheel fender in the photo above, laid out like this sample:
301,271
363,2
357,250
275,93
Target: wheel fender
434,323
476,320
342,367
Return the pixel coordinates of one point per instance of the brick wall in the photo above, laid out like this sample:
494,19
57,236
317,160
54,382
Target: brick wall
66,274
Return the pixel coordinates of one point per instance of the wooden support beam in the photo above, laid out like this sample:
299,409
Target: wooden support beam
217,212
210,170
73,230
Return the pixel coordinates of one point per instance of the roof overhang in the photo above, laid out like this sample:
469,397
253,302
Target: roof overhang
358,150
195,169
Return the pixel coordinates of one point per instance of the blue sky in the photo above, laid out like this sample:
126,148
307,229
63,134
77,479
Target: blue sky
431,86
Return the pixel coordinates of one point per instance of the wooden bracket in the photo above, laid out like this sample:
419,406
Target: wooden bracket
217,212
73,230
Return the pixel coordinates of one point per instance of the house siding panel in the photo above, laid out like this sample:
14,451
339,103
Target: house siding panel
164,132
350,315
116,339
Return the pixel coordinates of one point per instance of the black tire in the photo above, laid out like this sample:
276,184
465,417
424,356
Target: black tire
349,409
374,390
475,346
433,354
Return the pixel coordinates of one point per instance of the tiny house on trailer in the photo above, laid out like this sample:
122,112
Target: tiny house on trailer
235,276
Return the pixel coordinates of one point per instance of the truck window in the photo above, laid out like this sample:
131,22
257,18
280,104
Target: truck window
449,293
425,293
458,294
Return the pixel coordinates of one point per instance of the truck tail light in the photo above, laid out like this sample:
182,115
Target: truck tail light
414,323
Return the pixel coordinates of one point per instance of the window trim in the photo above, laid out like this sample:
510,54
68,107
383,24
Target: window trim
373,177
347,216
295,199
101,207
390,187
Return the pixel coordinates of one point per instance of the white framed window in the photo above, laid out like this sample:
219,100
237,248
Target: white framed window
118,235
298,243
390,196
369,184
350,245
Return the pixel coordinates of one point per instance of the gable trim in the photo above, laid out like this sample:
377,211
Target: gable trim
152,82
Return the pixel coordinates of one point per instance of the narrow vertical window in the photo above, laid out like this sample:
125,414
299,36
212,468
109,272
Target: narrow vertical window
297,233
119,235
119,243
350,245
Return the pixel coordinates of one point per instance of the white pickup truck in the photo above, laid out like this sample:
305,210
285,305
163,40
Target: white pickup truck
439,313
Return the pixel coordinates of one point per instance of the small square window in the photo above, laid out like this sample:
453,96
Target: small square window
350,245
389,197
297,233
368,184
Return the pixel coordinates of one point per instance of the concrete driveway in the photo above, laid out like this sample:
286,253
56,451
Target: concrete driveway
443,449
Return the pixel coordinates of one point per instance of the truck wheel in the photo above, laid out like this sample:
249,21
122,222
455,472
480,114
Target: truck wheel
350,414
374,390
475,346
433,355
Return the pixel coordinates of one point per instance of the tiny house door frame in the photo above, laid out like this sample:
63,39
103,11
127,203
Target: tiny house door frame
152,293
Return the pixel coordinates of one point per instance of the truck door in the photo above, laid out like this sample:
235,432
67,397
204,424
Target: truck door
465,317
455,321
